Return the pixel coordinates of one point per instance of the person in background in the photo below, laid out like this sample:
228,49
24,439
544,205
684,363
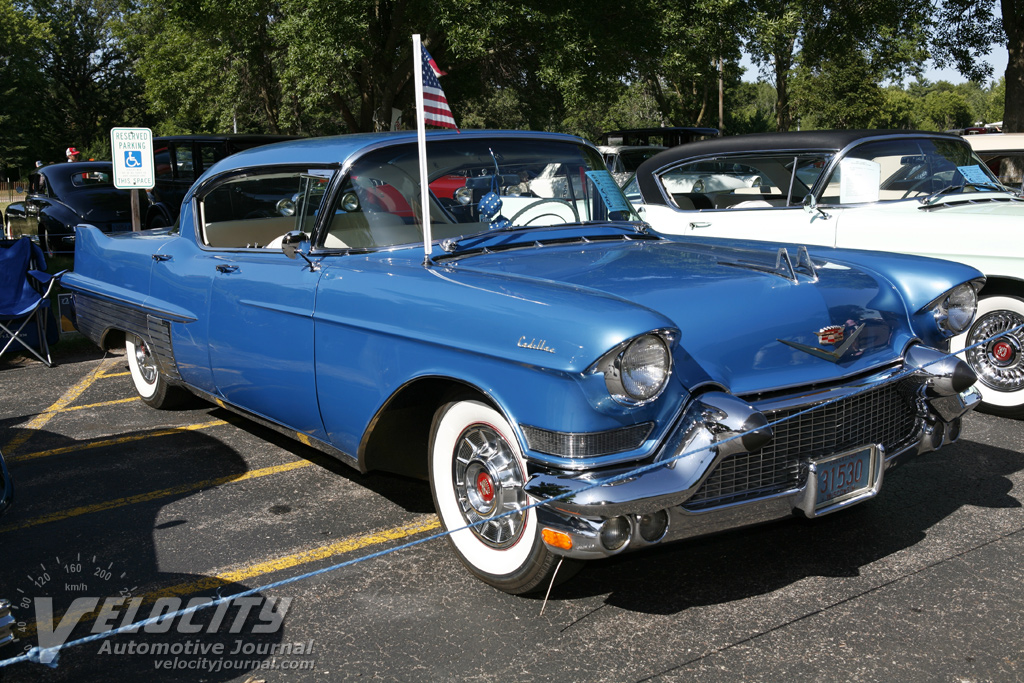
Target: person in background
73,154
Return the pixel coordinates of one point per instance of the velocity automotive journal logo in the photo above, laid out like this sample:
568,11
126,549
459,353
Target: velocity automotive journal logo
252,618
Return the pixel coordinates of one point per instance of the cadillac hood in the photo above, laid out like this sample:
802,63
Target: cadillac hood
749,325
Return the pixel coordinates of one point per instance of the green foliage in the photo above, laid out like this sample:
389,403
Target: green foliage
21,37
320,67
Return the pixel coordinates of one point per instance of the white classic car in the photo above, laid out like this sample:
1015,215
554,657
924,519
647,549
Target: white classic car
904,191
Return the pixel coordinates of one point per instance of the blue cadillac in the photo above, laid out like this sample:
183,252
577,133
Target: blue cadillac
571,384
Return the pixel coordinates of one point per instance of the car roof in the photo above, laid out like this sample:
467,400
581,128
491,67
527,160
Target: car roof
996,142
59,174
337,150
792,141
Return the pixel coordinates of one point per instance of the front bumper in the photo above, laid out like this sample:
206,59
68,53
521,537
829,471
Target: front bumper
726,466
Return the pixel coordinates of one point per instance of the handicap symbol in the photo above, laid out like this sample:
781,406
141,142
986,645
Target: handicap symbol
133,158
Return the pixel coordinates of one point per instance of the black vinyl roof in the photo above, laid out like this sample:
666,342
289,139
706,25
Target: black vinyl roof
808,140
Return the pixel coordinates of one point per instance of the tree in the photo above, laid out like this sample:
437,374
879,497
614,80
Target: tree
963,34
21,41
89,85
887,35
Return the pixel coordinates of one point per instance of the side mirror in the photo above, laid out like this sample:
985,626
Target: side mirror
295,243
19,189
292,243
810,203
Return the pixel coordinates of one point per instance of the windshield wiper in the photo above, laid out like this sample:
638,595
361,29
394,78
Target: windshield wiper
935,196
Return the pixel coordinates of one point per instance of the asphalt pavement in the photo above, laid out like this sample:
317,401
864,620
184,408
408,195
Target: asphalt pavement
123,513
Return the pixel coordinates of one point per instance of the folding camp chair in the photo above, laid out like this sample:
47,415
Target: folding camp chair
25,289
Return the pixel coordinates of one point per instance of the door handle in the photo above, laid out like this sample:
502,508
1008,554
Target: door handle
161,257
700,225
227,269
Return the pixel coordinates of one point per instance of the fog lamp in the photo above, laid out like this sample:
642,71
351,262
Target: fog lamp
615,533
653,526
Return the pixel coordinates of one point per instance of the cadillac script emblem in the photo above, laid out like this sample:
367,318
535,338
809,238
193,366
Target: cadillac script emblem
831,335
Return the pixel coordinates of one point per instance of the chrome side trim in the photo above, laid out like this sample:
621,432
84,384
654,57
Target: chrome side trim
301,437
95,316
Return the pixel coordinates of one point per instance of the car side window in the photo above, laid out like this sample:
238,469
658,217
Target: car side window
184,167
208,155
744,181
256,211
162,163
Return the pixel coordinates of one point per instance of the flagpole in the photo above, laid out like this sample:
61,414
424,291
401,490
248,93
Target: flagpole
421,143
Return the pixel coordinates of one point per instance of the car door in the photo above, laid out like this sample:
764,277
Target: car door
261,302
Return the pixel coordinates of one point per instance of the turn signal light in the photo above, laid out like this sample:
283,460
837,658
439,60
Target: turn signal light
557,539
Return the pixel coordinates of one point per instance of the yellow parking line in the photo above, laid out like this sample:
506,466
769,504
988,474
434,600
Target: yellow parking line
113,442
101,404
70,395
156,495
347,545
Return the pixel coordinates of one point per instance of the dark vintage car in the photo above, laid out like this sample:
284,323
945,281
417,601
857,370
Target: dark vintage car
180,159
61,196
571,384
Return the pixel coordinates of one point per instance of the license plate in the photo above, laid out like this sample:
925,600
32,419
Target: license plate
844,476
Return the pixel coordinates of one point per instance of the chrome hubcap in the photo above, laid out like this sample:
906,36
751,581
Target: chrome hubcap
489,484
999,362
145,361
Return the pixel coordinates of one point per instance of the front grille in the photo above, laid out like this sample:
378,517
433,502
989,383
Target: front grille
883,415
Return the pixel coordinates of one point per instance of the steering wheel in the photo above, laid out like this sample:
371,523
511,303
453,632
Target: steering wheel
552,200
916,185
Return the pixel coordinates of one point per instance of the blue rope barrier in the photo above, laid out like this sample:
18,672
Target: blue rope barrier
50,656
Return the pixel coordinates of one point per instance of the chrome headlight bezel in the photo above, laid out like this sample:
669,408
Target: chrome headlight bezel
621,381
955,309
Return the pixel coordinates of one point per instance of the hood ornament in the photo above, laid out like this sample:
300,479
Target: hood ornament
833,333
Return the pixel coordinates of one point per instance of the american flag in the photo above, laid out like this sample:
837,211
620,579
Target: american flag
435,104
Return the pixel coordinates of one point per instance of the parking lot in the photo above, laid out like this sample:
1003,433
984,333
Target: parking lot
115,500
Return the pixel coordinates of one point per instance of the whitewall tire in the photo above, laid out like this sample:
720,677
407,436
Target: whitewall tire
999,363
477,473
151,386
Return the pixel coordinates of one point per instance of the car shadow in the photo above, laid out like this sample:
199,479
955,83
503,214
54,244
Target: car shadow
408,493
59,541
741,564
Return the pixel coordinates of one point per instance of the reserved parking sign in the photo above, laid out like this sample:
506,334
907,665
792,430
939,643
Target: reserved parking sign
132,154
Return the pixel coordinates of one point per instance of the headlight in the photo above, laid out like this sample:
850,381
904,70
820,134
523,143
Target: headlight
637,371
954,311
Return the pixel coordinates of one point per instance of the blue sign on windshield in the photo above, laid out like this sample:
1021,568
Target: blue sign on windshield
974,175
609,190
